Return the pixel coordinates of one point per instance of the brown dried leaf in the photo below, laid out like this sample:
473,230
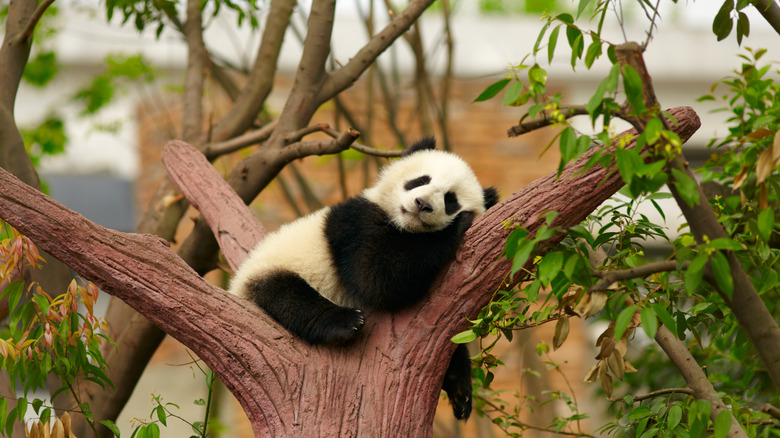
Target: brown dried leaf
764,165
760,133
776,150
615,362
561,331
608,333
597,302
740,179
607,347
593,372
58,431
583,306
606,381
628,367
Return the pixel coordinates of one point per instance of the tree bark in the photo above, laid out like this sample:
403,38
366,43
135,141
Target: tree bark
385,383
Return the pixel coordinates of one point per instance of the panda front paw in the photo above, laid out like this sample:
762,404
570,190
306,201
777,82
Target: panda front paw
337,326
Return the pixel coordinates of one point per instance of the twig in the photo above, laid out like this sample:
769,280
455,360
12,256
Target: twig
770,11
653,394
530,426
770,409
694,376
609,277
29,27
367,149
546,119
215,150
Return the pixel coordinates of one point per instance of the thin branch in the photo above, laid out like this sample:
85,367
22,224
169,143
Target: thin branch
29,27
547,118
609,277
524,425
292,137
215,150
694,376
320,147
659,392
347,75
367,149
193,86
770,11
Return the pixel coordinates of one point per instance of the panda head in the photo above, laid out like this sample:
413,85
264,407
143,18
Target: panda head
426,189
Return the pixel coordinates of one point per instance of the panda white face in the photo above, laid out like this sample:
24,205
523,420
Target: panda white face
424,191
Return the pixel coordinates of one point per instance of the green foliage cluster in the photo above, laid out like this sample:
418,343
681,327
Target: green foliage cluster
46,335
573,278
121,70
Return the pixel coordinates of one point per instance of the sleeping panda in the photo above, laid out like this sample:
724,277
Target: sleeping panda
378,251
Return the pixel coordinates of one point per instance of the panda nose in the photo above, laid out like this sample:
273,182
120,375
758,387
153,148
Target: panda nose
423,206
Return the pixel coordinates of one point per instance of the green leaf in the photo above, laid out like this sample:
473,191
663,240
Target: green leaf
766,223
553,42
686,187
594,51
111,426
639,412
629,163
581,7
522,255
550,266
161,415
722,24
722,423
726,243
41,69
622,321
464,337
649,321
673,417
743,27
492,90
720,267
665,317
632,84
568,143
694,272
513,93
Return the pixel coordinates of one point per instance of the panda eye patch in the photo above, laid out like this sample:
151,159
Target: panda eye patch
417,182
451,205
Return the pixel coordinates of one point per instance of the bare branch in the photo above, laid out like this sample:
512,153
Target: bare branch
770,11
609,277
366,149
192,119
653,394
320,147
347,75
215,150
27,32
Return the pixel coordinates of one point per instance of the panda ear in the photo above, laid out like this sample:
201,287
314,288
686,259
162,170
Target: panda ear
422,145
491,197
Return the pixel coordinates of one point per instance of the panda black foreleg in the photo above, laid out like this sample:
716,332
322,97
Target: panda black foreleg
300,309
457,382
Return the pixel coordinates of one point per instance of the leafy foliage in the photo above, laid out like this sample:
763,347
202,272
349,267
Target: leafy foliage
46,334
602,269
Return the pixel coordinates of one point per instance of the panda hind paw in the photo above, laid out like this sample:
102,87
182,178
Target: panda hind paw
461,407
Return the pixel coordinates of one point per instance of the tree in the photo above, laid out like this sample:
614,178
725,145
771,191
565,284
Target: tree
270,373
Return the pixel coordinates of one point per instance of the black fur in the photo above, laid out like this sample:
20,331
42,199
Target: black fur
380,266
303,311
457,382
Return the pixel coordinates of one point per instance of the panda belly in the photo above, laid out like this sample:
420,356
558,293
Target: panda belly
299,247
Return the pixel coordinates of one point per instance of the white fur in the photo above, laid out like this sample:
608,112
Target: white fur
301,246
298,246
448,172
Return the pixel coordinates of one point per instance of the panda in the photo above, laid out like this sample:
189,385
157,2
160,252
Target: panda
378,251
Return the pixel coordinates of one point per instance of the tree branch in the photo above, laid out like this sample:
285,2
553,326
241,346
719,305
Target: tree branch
694,376
193,86
348,74
547,118
214,150
770,11
609,277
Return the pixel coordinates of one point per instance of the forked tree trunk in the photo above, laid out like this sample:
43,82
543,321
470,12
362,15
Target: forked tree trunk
384,384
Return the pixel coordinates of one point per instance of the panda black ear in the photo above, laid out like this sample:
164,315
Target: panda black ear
491,197
422,145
